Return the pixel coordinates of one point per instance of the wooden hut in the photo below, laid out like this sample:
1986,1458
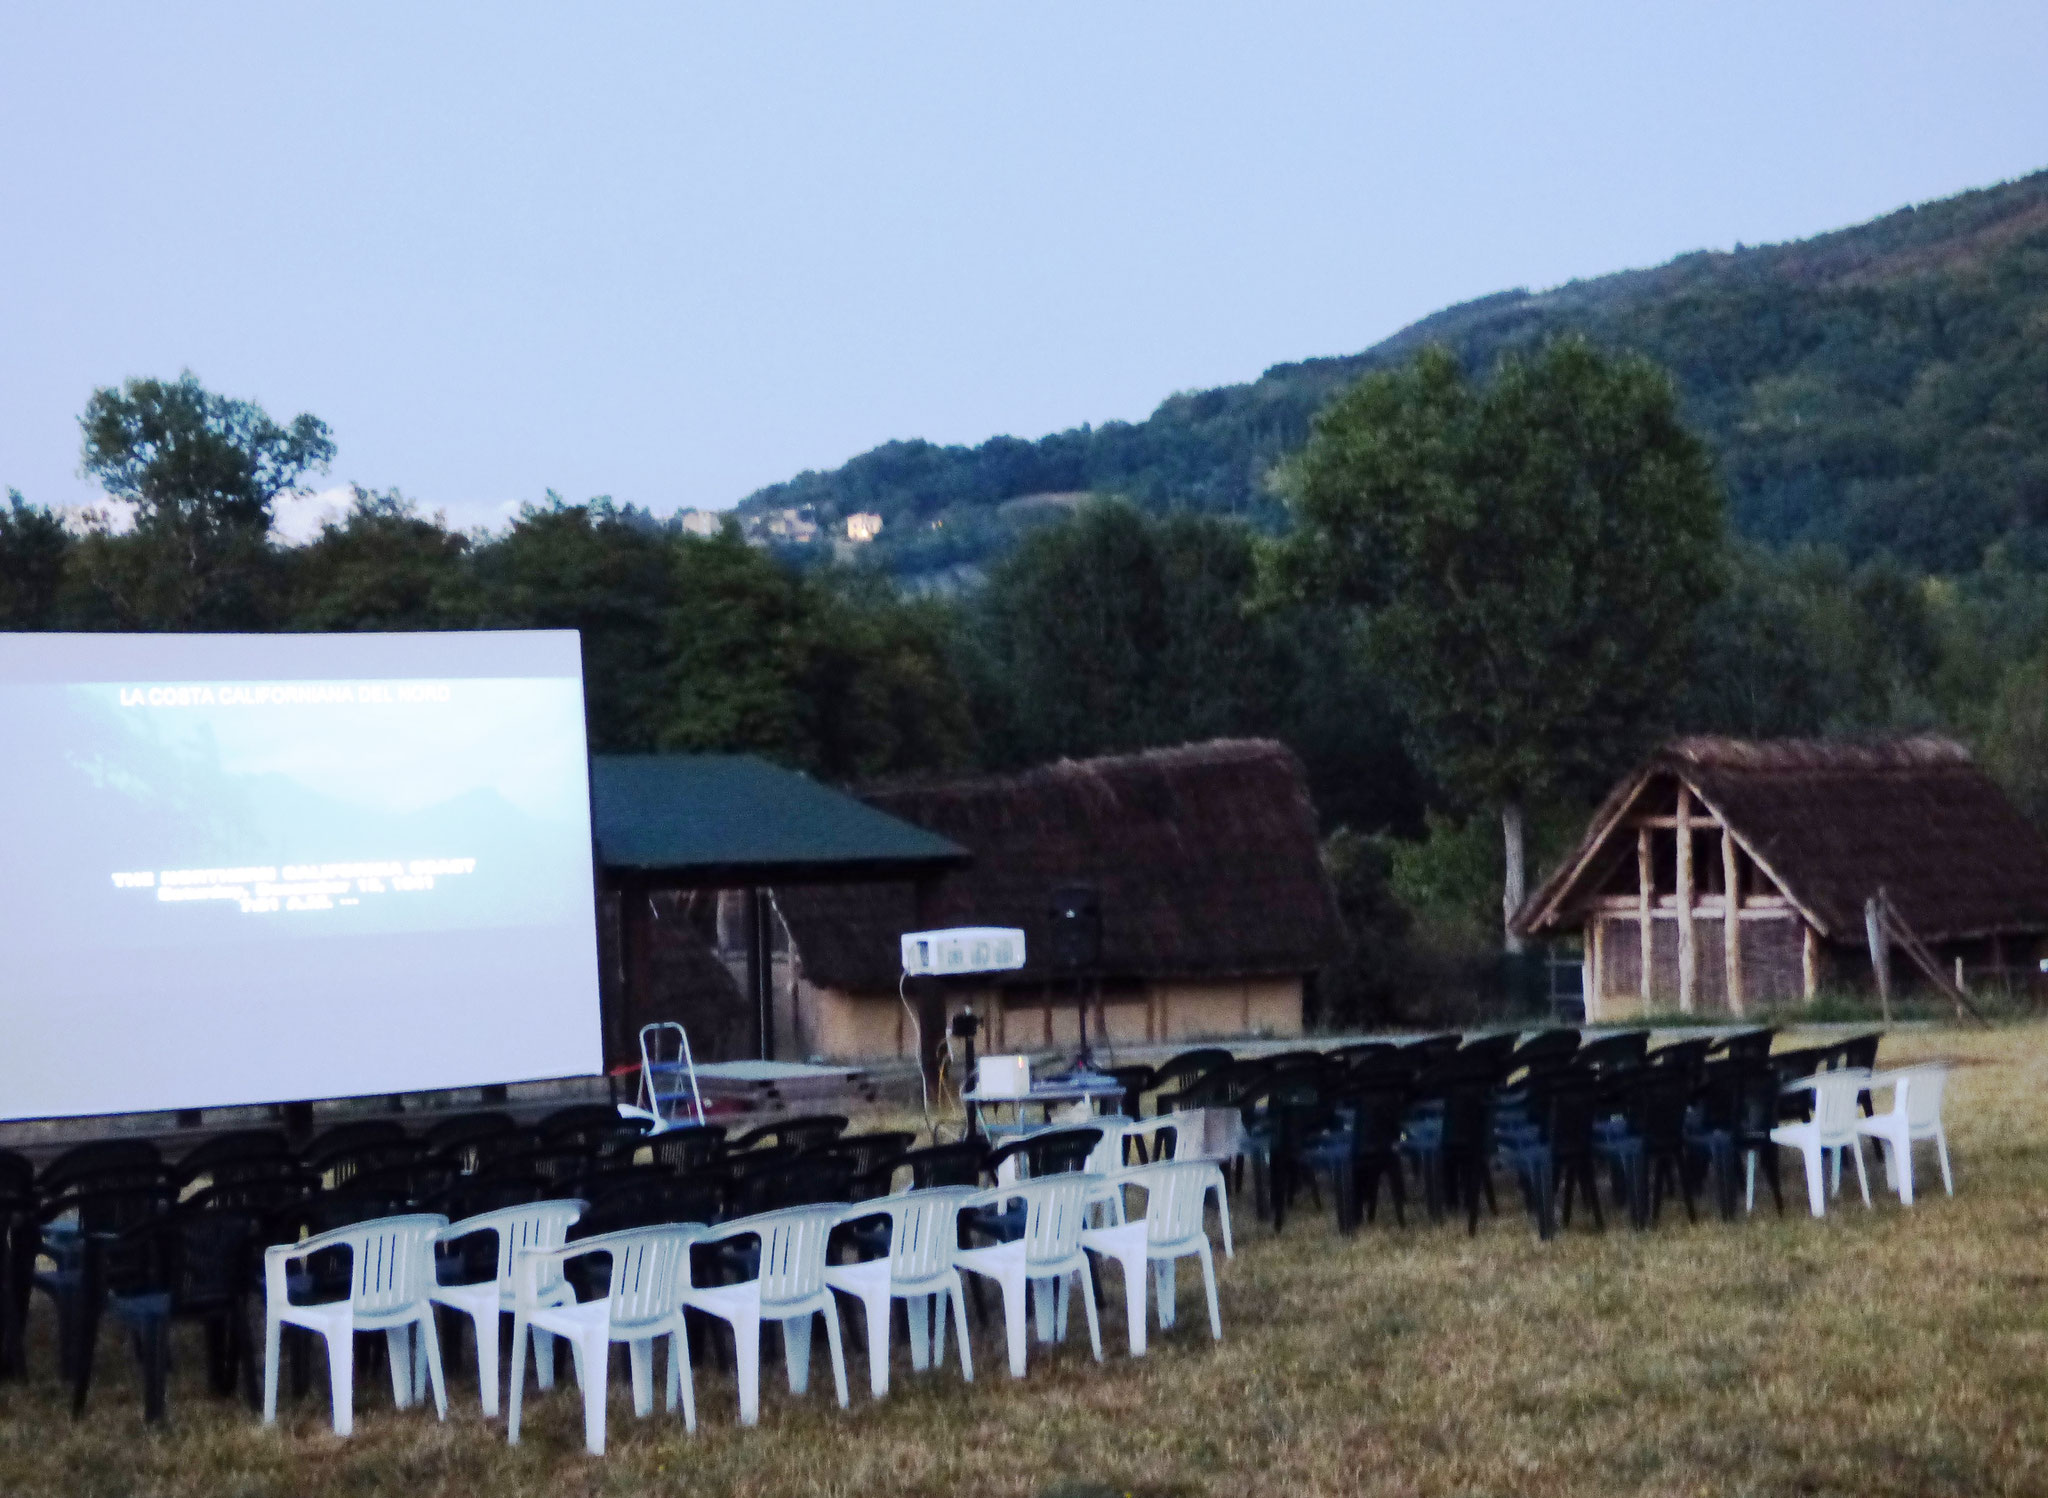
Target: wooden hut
1794,840
1215,905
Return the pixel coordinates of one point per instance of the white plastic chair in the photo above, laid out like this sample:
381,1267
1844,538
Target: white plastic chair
1171,1229
789,1287
1187,1146
638,1308
1831,1131
391,1275
1914,1116
538,1225
1048,1254
924,1234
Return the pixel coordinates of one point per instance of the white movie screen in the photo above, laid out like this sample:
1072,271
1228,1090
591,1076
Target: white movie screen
252,868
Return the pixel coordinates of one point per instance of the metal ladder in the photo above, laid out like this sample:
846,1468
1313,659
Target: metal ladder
665,1066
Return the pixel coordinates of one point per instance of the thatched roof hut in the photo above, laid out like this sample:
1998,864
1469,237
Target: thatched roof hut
1206,859
1806,833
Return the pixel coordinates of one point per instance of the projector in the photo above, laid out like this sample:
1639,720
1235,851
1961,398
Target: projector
962,949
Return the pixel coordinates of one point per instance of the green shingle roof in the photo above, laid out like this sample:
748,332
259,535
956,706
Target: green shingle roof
708,819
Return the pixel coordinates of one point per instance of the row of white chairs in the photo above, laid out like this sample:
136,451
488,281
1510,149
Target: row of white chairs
652,1287
1837,1127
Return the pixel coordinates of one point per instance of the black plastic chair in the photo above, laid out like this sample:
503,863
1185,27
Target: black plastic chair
869,1153
1429,1049
1650,1149
806,1131
1557,1160
1545,1048
187,1264
469,1196
962,1163
459,1138
343,1150
687,1149
61,1228
1187,1067
1621,1051
17,1214
232,1149
578,1119
1136,1081
655,1199
1737,1106
90,1159
1745,1045
805,1181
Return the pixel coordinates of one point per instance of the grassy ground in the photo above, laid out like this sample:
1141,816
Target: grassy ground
1898,1351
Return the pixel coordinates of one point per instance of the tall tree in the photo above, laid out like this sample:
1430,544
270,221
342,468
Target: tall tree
33,548
203,472
381,566
1530,558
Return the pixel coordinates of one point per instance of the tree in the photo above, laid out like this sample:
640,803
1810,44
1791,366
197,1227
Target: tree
382,566
607,571
1530,559
33,549
203,472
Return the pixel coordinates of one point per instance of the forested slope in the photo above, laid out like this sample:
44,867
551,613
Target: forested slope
1883,388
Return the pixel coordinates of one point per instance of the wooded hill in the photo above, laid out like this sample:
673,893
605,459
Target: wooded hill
1883,389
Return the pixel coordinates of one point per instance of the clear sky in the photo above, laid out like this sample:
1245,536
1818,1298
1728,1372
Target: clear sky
672,254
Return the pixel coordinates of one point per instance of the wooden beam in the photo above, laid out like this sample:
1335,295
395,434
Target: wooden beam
1687,957
1645,882
1809,962
1596,967
1731,920
1880,955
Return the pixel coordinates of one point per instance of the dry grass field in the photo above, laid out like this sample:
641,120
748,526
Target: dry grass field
1895,1351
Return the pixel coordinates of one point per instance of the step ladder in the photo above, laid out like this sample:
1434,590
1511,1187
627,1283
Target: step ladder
668,1077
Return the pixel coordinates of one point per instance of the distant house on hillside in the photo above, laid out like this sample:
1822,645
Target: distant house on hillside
1215,905
1803,835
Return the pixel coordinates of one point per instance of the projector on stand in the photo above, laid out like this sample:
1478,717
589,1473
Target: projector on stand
962,949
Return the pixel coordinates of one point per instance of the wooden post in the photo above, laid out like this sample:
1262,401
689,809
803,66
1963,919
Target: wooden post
1880,955
1646,888
1809,961
1596,970
1731,922
1687,957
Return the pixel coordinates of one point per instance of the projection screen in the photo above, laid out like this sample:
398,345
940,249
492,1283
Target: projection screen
253,868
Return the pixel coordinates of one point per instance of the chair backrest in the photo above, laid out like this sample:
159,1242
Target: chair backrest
1169,1132
648,1268
90,1159
17,1175
803,1131
867,1151
1546,1045
801,1182
578,1119
689,1148
1055,1211
957,1164
924,1230
1191,1065
533,1225
1745,1045
1860,1053
235,1147
1919,1093
793,1243
346,1139
1175,1194
1108,1153
1617,1051
651,1199
1047,1151
392,1259
1834,1103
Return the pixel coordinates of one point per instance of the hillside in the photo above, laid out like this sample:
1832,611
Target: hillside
1880,388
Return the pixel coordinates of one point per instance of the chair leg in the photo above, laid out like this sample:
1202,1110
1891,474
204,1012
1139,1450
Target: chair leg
272,1338
341,1377
956,1295
796,1352
1013,1291
682,1379
1862,1170
876,1318
746,1338
399,1342
640,1364
488,1371
1209,1289
515,1397
1941,1151
1094,1317
593,1367
1816,1179
1134,1267
836,1345
924,1328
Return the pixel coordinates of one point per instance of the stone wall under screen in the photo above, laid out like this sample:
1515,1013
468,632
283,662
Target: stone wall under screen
248,868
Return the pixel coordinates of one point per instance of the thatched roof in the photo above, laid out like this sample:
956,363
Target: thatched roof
1833,823
1205,856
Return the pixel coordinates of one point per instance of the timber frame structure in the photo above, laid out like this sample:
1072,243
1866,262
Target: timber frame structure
1726,875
